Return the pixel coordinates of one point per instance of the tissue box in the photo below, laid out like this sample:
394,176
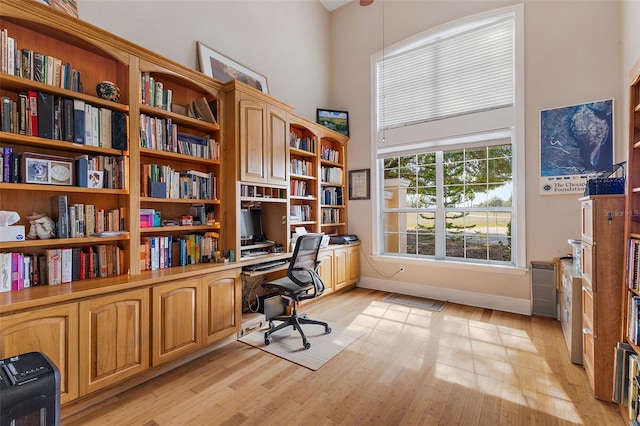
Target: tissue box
12,233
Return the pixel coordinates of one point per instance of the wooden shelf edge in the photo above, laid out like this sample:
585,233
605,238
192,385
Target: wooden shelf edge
149,152
178,200
60,242
179,118
60,188
186,229
305,177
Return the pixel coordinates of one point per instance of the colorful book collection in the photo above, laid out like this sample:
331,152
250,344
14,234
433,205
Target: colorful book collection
332,196
9,165
161,252
162,134
163,181
300,213
330,216
307,143
331,175
626,380
58,266
329,154
37,66
153,93
84,220
298,188
300,167
72,120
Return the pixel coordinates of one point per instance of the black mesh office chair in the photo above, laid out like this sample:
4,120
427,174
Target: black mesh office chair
302,282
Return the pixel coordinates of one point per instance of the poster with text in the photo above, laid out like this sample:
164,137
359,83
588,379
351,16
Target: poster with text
576,143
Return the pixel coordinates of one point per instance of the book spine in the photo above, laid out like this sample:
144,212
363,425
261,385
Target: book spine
66,263
78,121
54,266
33,112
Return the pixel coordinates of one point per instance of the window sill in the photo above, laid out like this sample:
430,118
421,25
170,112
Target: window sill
449,264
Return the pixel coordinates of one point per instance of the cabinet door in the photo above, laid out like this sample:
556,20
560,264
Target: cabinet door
353,264
53,331
326,269
176,320
222,305
278,141
341,268
586,208
114,338
253,128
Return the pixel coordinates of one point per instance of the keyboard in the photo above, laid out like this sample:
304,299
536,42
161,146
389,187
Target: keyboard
264,266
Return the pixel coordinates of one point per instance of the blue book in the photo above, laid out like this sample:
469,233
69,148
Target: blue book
78,121
82,171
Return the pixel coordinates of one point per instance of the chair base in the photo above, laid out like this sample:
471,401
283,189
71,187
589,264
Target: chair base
294,320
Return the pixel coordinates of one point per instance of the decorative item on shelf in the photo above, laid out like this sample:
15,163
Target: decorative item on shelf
47,169
42,226
606,183
9,231
108,90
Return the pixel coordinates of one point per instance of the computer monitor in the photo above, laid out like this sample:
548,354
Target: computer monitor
251,231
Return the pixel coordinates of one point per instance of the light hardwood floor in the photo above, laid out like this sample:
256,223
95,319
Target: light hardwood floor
460,366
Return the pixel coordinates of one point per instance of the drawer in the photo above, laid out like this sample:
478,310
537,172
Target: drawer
587,310
586,207
586,255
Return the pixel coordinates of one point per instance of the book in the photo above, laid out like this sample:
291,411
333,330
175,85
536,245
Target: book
202,110
66,262
5,272
119,130
45,115
38,67
6,113
82,170
105,128
27,271
59,212
78,121
54,266
58,107
33,112
67,120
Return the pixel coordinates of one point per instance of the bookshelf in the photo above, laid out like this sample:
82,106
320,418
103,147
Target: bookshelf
630,288
303,174
333,189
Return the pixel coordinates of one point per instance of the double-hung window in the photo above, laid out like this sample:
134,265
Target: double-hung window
449,143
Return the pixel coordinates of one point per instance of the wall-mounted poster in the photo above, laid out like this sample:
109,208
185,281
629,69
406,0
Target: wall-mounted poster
576,143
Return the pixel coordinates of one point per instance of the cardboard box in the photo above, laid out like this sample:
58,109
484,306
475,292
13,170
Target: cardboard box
12,233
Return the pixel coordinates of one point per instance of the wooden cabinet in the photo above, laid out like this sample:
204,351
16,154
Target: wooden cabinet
223,296
114,338
176,316
353,263
52,330
601,253
571,308
325,257
341,265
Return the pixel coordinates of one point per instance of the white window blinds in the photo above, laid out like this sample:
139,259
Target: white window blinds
466,70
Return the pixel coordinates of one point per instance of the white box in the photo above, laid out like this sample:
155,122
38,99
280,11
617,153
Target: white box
12,233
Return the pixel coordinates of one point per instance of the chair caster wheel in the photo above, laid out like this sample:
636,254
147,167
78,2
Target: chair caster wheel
267,340
271,326
327,330
307,345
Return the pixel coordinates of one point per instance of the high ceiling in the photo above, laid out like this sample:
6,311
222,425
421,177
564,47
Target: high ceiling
332,5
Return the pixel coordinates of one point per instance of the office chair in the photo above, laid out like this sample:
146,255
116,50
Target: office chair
302,282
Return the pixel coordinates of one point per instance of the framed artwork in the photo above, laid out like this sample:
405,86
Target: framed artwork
47,169
218,66
576,144
359,184
334,120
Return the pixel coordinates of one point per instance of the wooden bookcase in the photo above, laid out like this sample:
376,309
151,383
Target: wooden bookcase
631,218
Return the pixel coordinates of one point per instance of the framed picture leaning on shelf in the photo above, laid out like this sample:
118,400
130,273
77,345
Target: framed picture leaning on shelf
221,68
47,169
334,120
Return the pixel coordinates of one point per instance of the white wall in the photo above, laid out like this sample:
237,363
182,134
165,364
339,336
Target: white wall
572,55
575,51
286,41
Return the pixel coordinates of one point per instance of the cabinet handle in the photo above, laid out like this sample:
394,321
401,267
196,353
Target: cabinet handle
586,331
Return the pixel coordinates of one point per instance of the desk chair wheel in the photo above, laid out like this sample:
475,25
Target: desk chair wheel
327,330
306,344
267,341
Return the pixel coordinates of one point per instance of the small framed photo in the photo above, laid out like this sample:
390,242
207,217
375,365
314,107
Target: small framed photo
359,184
47,169
224,69
334,120
95,178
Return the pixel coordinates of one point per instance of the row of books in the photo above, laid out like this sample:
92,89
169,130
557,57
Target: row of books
163,181
300,167
626,380
332,196
298,188
160,252
152,93
330,215
307,143
331,175
632,273
36,66
162,134
300,213
73,120
330,154
633,319
58,266
84,220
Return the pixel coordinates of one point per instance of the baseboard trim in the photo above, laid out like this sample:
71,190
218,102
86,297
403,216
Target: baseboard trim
481,300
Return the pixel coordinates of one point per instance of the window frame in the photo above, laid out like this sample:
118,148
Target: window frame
451,132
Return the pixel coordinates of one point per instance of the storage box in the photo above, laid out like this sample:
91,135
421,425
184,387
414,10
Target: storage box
12,233
606,182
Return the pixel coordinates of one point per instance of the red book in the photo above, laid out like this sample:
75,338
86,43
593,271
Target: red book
33,111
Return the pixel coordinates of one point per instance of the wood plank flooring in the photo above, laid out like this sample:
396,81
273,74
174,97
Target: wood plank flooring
460,366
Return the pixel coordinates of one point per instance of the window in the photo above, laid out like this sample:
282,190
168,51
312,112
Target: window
449,143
